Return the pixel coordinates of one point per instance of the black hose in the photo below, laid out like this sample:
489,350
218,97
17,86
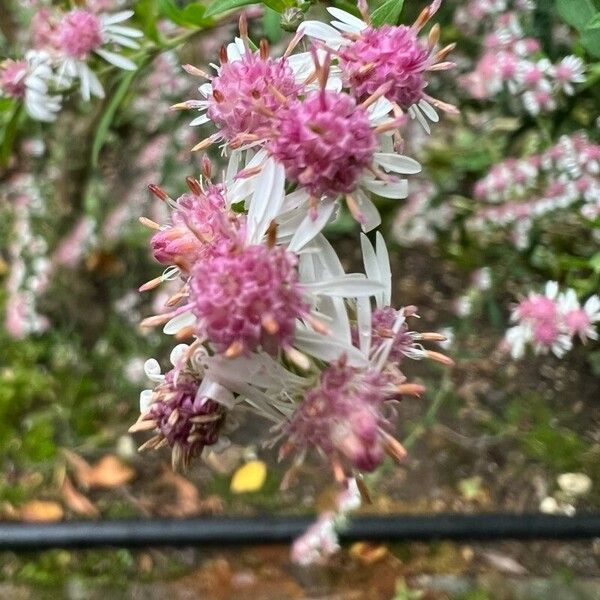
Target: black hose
238,531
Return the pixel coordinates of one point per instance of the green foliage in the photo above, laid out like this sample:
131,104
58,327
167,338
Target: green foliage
388,13
577,13
583,16
109,114
219,7
192,15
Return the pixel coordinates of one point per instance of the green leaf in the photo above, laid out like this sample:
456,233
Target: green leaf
590,40
109,114
271,24
594,23
218,7
169,9
389,12
194,14
577,13
595,262
147,14
9,134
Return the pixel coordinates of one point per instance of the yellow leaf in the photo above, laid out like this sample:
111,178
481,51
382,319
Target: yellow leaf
249,477
40,511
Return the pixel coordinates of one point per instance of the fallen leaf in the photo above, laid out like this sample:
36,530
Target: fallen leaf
108,472
187,500
40,511
368,553
76,501
249,477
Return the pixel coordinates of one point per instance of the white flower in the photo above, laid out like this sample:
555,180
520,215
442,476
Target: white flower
29,79
81,33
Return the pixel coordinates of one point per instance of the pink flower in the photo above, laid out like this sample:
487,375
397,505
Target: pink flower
343,416
324,142
386,55
12,77
185,420
247,297
200,222
537,308
404,345
79,33
247,92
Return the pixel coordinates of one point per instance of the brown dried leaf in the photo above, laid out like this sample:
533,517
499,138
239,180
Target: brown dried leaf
368,553
188,501
41,511
108,472
76,501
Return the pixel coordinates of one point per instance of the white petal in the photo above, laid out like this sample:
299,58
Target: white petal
371,264
346,286
397,163
126,31
266,201
384,268
215,391
177,354
328,348
321,31
328,259
310,227
370,217
199,120
387,189
95,85
185,319
123,41
347,18
145,401
429,111
117,17
152,370
363,318
117,60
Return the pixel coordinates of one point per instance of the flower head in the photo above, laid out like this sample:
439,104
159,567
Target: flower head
184,419
247,297
325,142
12,78
391,56
387,54
79,33
200,223
247,92
342,416
28,80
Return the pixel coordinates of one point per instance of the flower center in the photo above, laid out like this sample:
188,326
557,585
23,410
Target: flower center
386,54
324,142
79,34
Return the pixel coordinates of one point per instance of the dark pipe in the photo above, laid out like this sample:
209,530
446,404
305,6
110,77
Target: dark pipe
236,531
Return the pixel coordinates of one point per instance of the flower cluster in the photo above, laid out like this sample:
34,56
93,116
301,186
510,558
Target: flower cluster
29,266
550,321
274,323
514,62
61,55
331,117
419,220
523,190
